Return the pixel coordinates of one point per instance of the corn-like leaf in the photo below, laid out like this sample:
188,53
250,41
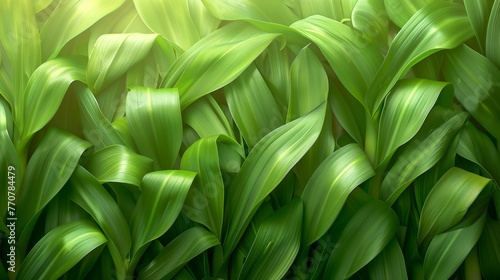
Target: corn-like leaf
448,250
260,10
489,249
307,76
401,11
389,264
276,244
216,60
327,190
370,17
177,253
477,147
404,113
69,19
114,54
61,249
422,152
154,120
367,233
86,191
205,201
49,168
331,9
439,25
266,165
479,13
492,38
96,128
477,85
118,164
163,194
182,22
352,58
45,92
61,210
9,161
205,111
253,106
448,202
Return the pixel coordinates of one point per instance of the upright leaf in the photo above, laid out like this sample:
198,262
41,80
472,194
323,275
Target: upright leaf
489,249
492,38
479,13
401,11
389,264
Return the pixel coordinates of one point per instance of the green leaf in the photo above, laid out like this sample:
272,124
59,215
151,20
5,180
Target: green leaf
182,22
422,152
307,76
266,165
479,13
60,250
477,85
439,25
370,17
118,164
216,60
155,123
69,19
366,234
448,250
448,202
163,194
87,192
45,92
477,147
401,11
205,201
177,253
253,106
330,9
328,189
489,249
276,244
404,113
353,59
492,38
389,264
49,168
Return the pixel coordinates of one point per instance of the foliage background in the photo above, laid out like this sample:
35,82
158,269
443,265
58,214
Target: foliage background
250,139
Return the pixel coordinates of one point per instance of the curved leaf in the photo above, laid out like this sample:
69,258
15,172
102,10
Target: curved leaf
370,17
479,13
489,249
328,189
389,264
492,38
401,11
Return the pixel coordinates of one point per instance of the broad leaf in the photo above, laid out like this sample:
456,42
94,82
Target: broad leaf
389,264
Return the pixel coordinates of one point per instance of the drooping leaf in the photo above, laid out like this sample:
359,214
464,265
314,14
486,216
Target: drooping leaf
327,190
276,244
177,253
439,25
155,123
366,234
266,165
60,250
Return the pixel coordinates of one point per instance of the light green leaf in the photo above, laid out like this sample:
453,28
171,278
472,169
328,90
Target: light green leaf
309,84
479,13
45,92
118,164
448,202
155,123
69,19
404,113
328,189
61,249
492,38
177,253
276,244
370,17
163,194
439,25
489,249
448,250
49,168
477,147
266,165
401,11
389,264
216,60
422,152
331,9
205,201
352,58
253,106
86,191
367,233
9,162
